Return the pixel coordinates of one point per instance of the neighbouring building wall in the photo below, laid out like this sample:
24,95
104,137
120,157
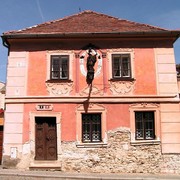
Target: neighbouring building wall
2,95
178,84
2,105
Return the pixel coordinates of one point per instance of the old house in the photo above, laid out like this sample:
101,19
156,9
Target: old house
92,93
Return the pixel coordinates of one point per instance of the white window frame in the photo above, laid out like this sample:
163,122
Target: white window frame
116,52
145,107
59,53
93,108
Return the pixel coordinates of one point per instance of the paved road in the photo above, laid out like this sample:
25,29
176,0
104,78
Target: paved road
7,174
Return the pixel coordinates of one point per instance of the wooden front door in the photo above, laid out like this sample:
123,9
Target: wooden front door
1,142
45,138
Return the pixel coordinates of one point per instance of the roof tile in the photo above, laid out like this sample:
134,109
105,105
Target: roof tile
87,22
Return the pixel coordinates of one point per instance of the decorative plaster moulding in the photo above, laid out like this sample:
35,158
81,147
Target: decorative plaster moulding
144,105
93,99
120,50
59,89
91,90
91,106
121,87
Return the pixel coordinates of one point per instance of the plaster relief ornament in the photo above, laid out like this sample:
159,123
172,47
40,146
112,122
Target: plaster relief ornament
94,91
91,57
59,88
121,87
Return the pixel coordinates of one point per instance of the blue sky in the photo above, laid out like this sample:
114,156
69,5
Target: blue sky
19,14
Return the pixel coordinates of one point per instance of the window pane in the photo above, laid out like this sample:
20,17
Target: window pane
96,127
116,66
125,67
64,68
149,125
55,68
86,128
139,125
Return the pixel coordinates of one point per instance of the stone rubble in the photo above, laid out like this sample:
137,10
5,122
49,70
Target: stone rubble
118,157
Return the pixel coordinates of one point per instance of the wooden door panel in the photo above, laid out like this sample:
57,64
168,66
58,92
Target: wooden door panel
40,144
51,143
46,138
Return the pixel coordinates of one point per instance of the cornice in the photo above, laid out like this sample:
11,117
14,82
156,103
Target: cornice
100,99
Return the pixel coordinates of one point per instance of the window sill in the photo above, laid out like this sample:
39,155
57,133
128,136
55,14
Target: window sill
59,80
145,142
122,79
91,145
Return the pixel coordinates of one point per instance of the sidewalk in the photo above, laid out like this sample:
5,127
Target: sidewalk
9,174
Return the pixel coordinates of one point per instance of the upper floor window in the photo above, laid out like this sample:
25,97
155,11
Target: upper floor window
144,124
60,67
121,66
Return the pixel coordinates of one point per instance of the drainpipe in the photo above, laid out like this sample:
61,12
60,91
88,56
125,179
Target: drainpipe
5,43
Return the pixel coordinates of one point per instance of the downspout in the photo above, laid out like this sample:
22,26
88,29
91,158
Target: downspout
5,43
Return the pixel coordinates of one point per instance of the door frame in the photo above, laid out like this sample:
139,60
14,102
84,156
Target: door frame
57,115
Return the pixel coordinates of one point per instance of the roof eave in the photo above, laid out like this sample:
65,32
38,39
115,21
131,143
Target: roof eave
174,34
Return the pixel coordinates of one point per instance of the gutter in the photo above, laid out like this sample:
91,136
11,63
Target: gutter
175,34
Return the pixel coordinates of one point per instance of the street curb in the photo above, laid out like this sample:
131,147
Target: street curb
16,174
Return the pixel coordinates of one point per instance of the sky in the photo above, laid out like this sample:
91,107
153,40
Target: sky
20,14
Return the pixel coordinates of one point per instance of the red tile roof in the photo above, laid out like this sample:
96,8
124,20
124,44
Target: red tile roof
1,111
88,22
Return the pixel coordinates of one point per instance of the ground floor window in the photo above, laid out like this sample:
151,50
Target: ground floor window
91,127
144,125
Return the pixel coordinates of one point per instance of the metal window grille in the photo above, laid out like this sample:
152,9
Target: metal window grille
145,128
91,128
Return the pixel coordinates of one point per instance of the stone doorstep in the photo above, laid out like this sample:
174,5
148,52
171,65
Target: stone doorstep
45,165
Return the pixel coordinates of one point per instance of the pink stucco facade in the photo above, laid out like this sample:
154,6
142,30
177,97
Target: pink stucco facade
153,84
